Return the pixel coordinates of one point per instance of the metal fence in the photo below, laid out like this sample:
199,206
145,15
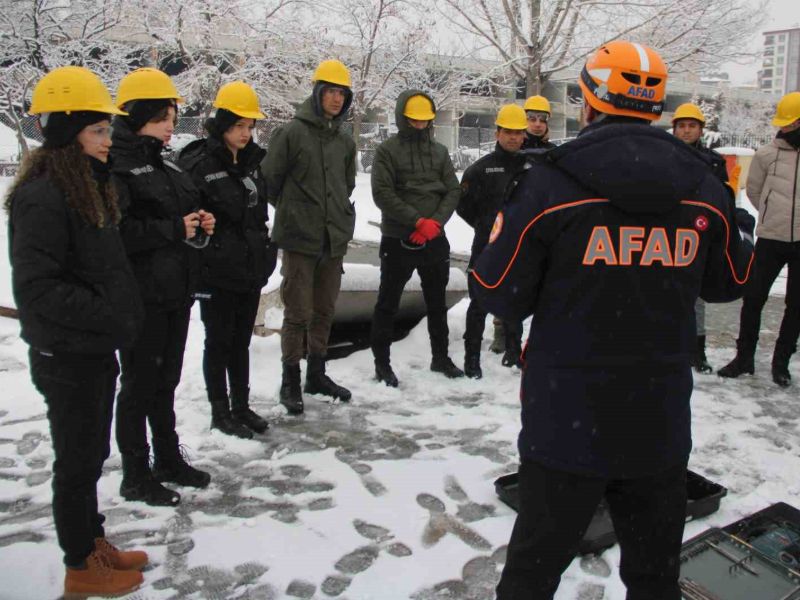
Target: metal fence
466,144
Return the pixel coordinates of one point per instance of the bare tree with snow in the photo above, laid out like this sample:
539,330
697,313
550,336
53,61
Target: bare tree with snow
539,39
39,35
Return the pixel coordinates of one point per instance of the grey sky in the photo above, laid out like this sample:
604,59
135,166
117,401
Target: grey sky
783,15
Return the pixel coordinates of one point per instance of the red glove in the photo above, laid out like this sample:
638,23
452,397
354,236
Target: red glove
428,228
417,238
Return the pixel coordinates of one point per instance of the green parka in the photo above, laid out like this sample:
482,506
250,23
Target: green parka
412,177
310,168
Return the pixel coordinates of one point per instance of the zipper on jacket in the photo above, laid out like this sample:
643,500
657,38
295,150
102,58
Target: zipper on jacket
794,194
766,205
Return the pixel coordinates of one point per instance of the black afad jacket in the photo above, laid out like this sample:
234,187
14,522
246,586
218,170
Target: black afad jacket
240,256
608,242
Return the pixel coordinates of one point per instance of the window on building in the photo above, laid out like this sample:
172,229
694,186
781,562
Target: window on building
769,40
779,60
769,51
766,83
782,37
767,73
779,71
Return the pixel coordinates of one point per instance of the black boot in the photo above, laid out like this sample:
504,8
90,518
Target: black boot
742,363
221,419
443,364
513,354
472,365
138,483
317,382
241,413
780,364
384,373
169,464
699,360
291,396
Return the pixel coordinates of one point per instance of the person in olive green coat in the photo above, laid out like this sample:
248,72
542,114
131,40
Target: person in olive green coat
310,168
415,186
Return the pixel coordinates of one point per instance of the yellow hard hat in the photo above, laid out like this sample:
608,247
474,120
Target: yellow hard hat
511,116
788,110
68,89
537,103
332,71
689,111
240,99
419,108
146,84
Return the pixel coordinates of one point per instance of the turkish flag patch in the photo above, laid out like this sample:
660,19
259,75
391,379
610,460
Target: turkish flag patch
496,228
701,223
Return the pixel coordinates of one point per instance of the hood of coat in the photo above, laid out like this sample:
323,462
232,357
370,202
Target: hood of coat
126,141
639,168
403,128
310,110
247,159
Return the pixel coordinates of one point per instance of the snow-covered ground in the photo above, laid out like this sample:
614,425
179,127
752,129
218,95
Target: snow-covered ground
388,497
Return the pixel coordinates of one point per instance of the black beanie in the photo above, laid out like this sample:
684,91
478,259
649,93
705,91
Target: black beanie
220,123
59,128
140,112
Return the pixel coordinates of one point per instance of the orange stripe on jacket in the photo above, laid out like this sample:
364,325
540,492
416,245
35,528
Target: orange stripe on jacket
727,239
524,231
601,200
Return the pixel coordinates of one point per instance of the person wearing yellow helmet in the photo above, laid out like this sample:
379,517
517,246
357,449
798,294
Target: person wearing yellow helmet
773,187
607,241
78,304
537,111
225,166
483,188
688,123
416,189
310,168
161,225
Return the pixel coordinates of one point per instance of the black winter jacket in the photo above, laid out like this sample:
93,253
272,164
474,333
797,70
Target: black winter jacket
717,161
155,195
608,241
240,256
73,285
483,189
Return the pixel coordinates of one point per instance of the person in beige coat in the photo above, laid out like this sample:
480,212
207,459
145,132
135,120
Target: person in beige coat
773,186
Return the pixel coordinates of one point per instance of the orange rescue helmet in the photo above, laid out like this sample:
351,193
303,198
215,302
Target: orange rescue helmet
625,78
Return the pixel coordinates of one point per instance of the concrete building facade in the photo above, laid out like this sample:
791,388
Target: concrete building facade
780,66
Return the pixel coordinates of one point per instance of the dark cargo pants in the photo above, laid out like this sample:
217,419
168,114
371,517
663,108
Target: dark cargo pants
309,291
770,258
79,392
555,510
399,260
229,318
151,371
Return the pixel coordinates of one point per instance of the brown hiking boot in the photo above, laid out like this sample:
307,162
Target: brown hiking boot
133,560
99,579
